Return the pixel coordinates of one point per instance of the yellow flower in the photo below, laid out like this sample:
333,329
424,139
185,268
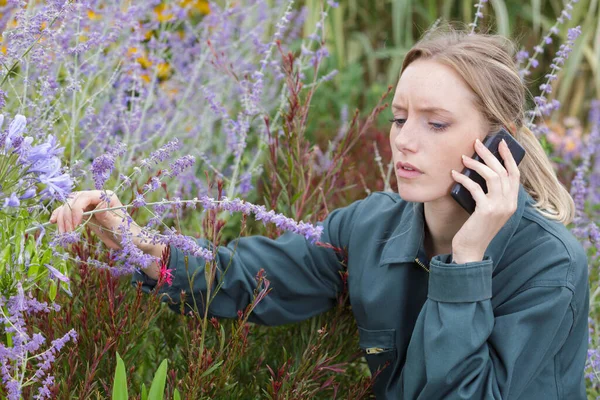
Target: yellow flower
197,6
163,70
144,62
3,49
146,78
43,25
92,15
161,16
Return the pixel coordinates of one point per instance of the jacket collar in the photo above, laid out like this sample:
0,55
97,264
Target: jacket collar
404,243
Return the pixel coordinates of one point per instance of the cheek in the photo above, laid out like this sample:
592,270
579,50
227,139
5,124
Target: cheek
447,160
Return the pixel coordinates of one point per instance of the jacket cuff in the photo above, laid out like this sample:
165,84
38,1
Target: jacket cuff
459,283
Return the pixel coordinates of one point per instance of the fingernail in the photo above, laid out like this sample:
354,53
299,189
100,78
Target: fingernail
478,141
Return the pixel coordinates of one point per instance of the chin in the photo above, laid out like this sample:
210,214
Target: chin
414,193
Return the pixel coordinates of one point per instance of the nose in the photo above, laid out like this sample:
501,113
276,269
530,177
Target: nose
405,138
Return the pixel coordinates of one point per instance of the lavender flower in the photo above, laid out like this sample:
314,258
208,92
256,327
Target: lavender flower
245,183
539,49
14,360
478,14
65,239
162,153
131,255
542,106
180,165
103,165
139,201
578,185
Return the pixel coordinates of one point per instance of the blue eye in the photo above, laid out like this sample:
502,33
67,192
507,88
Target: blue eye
434,126
438,127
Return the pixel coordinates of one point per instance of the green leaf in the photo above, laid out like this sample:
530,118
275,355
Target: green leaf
53,289
4,258
211,369
47,256
34,267
144,392
19,229
157,388
119,391
502,18
176,395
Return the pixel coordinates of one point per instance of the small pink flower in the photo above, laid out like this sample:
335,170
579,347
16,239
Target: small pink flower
165,274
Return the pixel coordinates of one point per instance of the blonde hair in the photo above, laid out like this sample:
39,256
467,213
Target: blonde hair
486,64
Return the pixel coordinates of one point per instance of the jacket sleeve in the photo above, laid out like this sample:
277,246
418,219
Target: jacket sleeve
304,278
463,349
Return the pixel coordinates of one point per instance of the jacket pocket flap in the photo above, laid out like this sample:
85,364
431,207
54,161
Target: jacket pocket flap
383,339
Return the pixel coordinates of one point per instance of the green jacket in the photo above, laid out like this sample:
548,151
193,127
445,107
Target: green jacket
513,326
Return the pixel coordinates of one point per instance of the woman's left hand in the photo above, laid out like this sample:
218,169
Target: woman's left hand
493,209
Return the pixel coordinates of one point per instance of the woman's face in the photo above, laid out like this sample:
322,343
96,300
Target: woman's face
436,122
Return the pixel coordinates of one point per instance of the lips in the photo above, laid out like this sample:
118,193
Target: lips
401,165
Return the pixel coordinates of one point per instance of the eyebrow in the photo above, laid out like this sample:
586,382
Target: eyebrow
424,109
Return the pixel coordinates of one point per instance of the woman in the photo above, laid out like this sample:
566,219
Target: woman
453,305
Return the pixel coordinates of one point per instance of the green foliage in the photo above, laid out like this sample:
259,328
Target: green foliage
157,387
371,39
119,391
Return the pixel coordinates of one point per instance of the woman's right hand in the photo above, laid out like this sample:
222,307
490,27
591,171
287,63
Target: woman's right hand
103,223
69,215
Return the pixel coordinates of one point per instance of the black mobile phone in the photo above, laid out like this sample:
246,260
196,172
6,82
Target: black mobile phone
491,141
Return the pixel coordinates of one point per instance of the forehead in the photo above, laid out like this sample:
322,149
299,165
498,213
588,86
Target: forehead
425,84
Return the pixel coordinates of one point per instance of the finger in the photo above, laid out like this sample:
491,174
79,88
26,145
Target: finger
79,204
471,186
68,217
509,162
60,220
53,216
77,213
105,236
492,179
490,159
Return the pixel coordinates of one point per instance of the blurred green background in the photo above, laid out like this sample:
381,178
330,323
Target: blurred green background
368,40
